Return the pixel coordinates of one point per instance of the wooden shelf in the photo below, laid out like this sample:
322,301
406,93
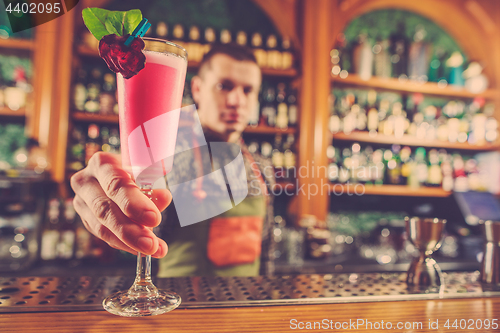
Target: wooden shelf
389,190
98,118
5,111
291,72
427,88
20,44
269,130
408,140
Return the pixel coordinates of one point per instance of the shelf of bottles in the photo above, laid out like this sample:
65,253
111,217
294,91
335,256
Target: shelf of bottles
65,240
15,95
403,171
410,145
274,55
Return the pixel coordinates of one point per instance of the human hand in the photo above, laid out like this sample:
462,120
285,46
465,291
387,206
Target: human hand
113,208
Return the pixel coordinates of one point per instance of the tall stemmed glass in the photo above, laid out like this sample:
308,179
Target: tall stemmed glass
149,105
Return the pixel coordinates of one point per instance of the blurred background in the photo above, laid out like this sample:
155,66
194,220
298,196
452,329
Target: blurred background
371,110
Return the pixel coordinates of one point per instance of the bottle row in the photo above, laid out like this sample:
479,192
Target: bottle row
270,51
85,141
404,166
424,118
399,57
282,153
64,237
95,91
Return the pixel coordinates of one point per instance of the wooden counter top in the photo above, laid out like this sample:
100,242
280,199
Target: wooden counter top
265,319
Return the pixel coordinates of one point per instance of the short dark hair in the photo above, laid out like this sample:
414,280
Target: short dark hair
235,51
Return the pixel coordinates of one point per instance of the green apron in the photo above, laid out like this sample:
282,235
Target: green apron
187,246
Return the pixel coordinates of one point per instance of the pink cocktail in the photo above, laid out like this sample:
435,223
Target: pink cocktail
149,104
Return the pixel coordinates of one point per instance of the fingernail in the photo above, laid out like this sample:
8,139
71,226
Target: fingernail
145,244
148,217
158,253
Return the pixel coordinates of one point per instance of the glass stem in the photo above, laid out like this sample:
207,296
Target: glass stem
143,284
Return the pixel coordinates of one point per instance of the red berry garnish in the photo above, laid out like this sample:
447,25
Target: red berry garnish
127,60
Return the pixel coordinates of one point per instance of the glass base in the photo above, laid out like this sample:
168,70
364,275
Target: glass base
124,304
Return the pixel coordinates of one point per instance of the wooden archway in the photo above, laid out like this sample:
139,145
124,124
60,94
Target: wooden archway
470,22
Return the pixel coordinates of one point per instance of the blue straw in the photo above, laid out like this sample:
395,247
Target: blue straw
139,31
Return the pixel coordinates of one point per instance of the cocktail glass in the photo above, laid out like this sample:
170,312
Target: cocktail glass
149,105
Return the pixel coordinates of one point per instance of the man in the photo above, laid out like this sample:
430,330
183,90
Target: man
234,243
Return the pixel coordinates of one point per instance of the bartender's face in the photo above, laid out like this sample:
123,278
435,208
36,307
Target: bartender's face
226,92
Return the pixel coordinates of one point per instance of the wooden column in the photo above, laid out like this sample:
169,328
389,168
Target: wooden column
314,106
63,93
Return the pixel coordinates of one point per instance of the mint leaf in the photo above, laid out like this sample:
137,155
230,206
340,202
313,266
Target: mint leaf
132,19
102,22
114,23
94,19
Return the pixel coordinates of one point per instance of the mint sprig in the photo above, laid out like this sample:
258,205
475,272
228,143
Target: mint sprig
102,22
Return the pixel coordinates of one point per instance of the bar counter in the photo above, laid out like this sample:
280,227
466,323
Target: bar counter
338,302
261,318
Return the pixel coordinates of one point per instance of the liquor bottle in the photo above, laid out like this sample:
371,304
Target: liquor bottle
293,111
225,36
92,146
399,120
83,241
378,162
50,234
268,112
382,59
162,30
289,158
114,141
194,33
394,166
266,149
66,246
196,50
399,52
435,177
107,97
345,168
421,169
363,58
491,126
80,90
77,149
286,53
418,56
253,119
282,112
259,52
274,57
209,35
241,38
277,156
93,90
406,164
105,147
178,32
333,168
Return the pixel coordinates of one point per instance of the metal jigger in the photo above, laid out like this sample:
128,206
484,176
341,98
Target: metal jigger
426,235
490,267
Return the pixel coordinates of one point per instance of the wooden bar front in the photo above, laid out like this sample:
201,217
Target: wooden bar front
272,318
